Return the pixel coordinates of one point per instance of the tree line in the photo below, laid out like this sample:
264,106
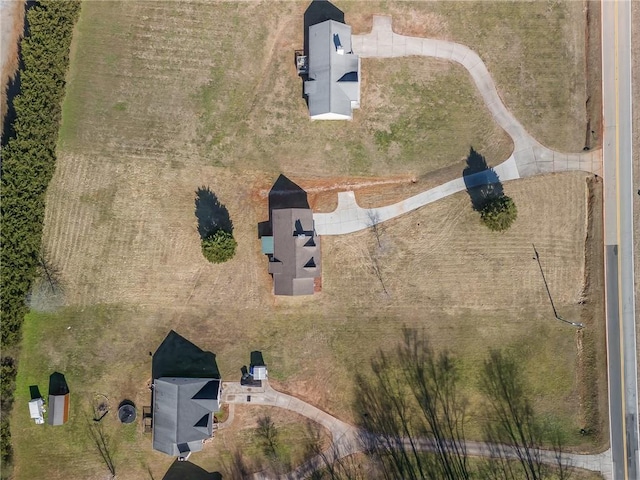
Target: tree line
28,159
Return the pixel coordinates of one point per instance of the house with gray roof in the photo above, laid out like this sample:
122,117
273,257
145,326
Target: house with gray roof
183,411
332,87
294,252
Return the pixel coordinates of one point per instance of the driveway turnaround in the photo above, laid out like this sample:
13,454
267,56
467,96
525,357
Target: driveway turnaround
529,156
347,439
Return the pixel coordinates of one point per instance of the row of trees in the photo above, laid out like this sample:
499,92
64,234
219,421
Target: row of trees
412,412
28,162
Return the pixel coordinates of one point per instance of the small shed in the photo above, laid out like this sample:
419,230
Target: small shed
259,372
58,409
36,409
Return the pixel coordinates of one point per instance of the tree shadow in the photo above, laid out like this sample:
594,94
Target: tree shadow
58,384
319,11
188,471
34,392
481,181
211,214
178,357
283,194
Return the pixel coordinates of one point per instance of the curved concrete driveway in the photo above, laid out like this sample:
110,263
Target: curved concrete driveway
346,439
529,156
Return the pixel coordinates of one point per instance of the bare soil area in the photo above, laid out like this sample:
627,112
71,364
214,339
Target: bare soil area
11,29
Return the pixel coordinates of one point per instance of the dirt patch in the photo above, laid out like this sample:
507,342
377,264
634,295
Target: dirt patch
590,341
11,28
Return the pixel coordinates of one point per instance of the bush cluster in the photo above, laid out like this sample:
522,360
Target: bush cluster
28,163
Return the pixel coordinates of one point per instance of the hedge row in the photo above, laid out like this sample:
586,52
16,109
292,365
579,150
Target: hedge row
28,163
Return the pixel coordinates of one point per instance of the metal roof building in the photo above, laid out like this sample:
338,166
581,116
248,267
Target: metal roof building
333,85
58,409
183,411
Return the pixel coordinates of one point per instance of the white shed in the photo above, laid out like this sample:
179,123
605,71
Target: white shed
259,372
36,409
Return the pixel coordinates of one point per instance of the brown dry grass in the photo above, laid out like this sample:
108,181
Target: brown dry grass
139,138
543,79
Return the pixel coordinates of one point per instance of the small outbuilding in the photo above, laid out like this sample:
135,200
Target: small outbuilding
36,409
259,372
58,409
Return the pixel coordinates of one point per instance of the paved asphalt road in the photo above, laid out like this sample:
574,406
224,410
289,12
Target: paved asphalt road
618,235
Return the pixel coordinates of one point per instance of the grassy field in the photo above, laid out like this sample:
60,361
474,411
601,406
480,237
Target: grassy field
534,50
165,98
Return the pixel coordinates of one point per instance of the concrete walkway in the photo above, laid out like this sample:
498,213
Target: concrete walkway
346,439
528,158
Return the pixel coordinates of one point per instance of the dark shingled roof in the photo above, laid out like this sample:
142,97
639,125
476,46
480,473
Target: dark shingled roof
296,252
183,413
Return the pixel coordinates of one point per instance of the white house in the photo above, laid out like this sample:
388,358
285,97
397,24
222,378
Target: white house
332,87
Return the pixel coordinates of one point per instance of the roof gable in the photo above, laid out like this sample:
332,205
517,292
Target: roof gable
331,63
296,258
182,412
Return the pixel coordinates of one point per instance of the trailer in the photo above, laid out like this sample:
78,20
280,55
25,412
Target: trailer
36,409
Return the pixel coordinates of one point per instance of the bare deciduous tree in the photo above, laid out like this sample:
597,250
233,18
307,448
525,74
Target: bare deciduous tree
433,379
374,220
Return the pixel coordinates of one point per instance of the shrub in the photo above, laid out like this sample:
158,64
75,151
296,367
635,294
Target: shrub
219,247
499,213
